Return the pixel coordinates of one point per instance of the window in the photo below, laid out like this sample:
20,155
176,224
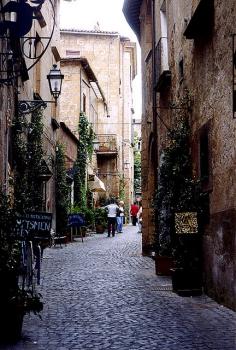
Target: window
162,73
181,70
84,103
202,21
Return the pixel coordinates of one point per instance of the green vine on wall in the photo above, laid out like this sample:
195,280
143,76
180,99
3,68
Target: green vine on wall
35,159
62,197
85,151
28,159
20,162
122,188
137,166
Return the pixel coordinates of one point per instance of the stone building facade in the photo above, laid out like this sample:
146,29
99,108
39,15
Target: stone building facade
35,51
81,94
112,58
190,45
47,26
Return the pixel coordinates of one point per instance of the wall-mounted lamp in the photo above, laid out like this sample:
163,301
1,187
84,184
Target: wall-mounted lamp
55,82
96,144
126,165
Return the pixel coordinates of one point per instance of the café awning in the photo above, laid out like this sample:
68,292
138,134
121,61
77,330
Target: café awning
96,185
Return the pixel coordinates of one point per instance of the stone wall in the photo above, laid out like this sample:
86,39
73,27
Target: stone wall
207,76
113,60
147,159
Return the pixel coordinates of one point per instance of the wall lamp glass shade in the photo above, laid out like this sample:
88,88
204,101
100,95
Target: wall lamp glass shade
126,165
96,144
55,81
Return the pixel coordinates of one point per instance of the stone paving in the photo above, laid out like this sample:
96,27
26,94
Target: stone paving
102,294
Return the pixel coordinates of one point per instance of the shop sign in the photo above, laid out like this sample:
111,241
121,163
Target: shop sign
186,223
34,224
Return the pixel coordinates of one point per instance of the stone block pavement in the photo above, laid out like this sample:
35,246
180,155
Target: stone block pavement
103,294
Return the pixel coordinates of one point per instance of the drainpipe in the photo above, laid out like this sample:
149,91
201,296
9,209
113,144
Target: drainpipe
154,99
80,83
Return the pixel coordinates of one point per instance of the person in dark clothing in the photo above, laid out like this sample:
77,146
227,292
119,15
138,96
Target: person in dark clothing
112,209
133,211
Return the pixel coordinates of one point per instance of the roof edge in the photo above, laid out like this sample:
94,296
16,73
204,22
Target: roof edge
131,10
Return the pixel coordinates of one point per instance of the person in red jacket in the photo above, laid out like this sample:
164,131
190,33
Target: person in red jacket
133,211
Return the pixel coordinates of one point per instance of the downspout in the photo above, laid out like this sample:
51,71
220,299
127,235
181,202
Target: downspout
154,99
80,102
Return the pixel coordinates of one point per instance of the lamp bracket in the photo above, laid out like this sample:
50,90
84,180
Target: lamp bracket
15,42
26,107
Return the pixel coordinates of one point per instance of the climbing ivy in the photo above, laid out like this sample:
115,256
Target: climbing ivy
28,157
62,190
137,166
122,188
35,158
85,151
20,159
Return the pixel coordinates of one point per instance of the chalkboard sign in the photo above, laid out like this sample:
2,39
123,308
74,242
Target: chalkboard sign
76,220
34,224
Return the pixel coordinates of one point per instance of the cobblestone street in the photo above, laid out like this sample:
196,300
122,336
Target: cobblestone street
102,294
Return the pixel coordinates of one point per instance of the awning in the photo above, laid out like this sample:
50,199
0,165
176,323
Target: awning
97,185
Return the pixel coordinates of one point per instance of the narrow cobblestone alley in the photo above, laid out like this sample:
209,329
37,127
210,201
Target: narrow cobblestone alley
102,294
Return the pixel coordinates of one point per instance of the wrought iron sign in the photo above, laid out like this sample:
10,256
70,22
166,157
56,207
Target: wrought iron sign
19,51
234,75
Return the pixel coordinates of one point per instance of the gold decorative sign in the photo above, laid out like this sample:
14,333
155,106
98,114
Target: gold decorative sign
186,223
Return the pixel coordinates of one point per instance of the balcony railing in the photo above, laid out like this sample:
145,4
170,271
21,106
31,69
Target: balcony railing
162,73
106,144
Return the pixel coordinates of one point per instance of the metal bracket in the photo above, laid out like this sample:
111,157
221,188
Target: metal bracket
15,42
27,107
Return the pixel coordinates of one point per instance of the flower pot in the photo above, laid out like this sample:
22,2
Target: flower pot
100,228
186,282
11,325
163,265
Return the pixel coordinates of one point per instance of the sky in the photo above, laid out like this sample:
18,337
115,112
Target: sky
86,14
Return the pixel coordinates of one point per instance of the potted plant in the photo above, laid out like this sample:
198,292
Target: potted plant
100,216
15,300
162,205
177,192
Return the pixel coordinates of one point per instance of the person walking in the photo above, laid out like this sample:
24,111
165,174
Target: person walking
120,217
133,211
112,209
140,218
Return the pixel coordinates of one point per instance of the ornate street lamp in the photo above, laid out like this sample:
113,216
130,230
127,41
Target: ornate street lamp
55,81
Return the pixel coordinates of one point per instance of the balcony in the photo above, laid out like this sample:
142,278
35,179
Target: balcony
106,145
201,23
162,72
